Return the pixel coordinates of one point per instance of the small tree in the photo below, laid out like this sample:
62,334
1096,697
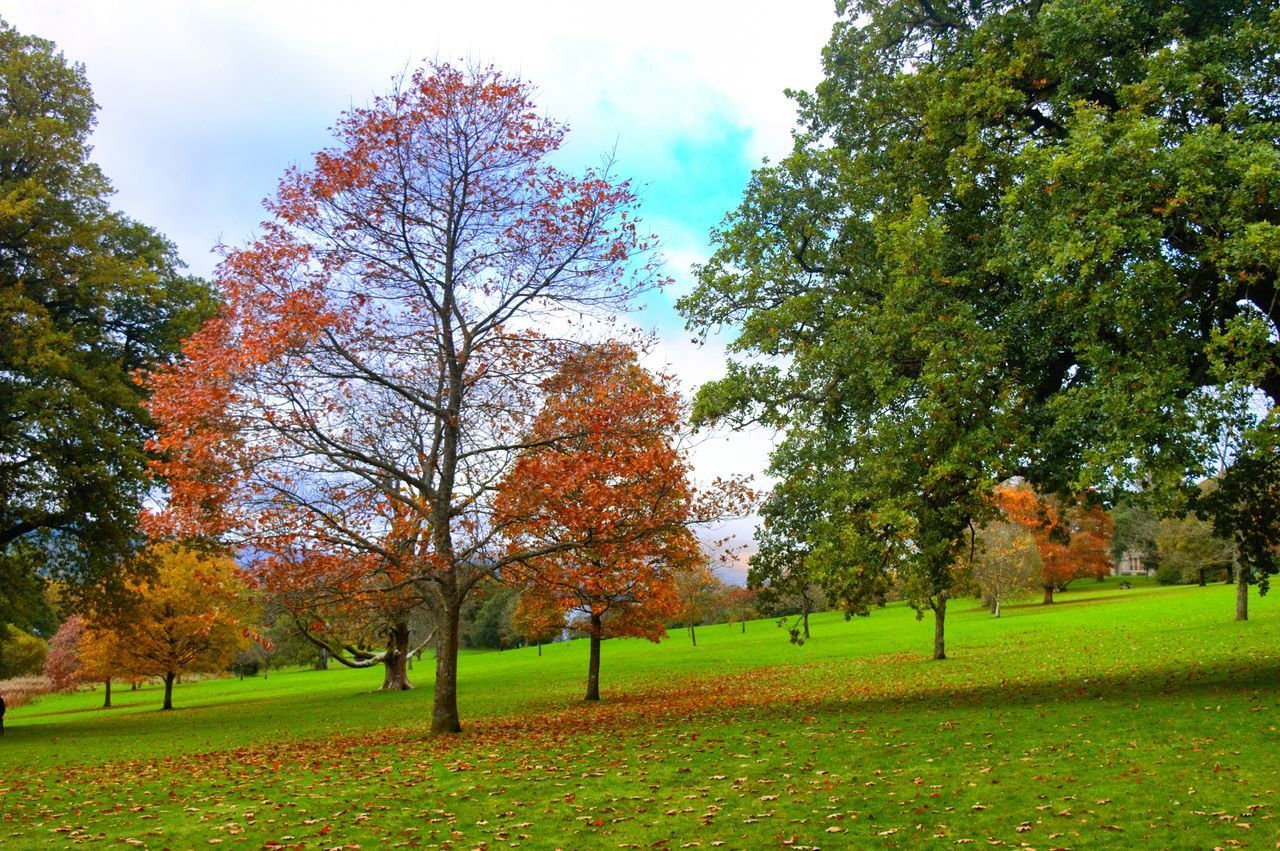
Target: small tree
193,614
538,618
611,504
62,666
101,659
1072,538
1006,563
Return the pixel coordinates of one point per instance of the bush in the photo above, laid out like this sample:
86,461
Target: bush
22,655
1169,573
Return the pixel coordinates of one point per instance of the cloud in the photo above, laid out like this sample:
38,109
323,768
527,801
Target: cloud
204,104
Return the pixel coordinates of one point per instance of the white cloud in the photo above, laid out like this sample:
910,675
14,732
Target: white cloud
204,104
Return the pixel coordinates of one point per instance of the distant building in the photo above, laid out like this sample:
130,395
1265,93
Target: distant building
1131,563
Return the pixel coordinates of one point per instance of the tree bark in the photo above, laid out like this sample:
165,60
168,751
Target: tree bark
995,607
444,715
693,636
539,648
323,664
168,690
395,663
1242,593
744,626
106,698
806,623
939,625
593,666
1048,594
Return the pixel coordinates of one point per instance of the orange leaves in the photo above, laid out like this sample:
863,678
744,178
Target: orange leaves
602,494
1073,540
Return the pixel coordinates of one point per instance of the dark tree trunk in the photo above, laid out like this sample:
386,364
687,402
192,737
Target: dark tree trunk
444,715
133,686
693,636
168,689
539,648
939,627
593,666
323,664
106,697
1242,594
744,626
806,623
1202,582
396,661
1048,594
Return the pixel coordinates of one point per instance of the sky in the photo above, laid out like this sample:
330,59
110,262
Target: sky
203,105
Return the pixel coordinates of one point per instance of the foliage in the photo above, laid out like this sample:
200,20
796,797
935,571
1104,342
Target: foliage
1190,552
1073,539
87,298
609,508
1014,239
22,654
375,366
195,614
488,622
1007,563
62,665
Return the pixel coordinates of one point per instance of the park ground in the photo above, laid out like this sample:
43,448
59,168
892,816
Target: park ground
1139,718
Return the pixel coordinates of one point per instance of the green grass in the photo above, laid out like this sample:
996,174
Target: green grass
1139,718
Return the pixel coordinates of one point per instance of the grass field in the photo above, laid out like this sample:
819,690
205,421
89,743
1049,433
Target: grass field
1141,718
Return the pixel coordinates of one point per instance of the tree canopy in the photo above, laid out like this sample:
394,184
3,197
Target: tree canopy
87,298
1030,239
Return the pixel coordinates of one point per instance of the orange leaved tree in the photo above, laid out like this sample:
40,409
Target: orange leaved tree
1073,539
193,613
381,343
618,485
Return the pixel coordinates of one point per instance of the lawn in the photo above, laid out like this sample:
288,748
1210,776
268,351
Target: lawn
1114,718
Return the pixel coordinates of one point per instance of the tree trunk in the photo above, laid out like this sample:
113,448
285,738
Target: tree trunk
395,663
1048,594
133,686
1201,573
539,648
168,690
106,698
444,715
693,636
995,607
593,666
939,623
1242,593
806,623
744,626
323,664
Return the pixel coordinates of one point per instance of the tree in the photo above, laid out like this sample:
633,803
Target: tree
1187,550
87,298
695,587
1073,540
382,342
23,654
620,486
194,614
102,658
1007,563
62,666
741,605
538,618
1014,239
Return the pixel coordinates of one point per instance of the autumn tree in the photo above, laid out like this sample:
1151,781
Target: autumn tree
1007,563
194,613
618,484
382,342
101,657
538,618
1073,539
87,298
740,605
62,666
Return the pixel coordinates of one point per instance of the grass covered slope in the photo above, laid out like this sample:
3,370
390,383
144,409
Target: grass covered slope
1113,719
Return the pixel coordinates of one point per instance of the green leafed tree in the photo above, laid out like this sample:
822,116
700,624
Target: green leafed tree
1031,238
87,298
